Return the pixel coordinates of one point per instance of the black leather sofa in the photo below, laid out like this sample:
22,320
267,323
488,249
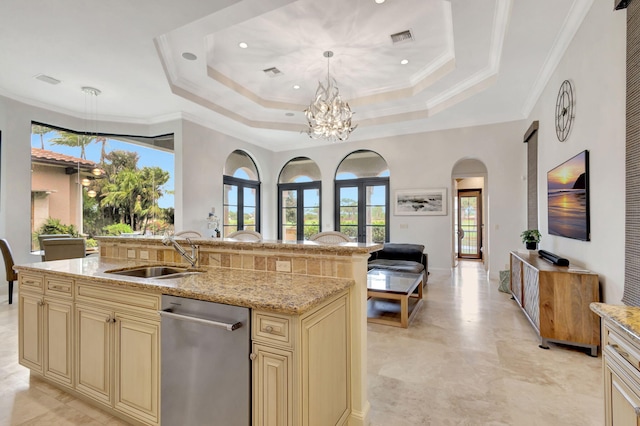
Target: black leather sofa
401,258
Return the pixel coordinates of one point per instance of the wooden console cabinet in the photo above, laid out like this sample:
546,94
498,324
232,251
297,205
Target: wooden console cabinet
556,301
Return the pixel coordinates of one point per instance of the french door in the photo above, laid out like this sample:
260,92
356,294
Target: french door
362,209
298,211
470,223
241,205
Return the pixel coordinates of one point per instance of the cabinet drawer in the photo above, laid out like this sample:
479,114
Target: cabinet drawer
271,328
59,287
627,350
108,296
31,281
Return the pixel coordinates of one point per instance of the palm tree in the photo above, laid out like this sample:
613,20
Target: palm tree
74,140
37,129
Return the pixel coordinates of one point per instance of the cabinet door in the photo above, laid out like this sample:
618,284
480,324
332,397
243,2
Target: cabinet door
516,279
272,380
58,340
325,366
93,346
622,404
30,331
137,367
531,296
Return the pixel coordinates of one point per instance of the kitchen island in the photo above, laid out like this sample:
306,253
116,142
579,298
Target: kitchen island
91,331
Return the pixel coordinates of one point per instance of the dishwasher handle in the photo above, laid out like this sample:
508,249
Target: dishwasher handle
181,317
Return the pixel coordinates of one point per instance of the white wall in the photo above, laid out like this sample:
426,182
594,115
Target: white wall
426,161
595,64
203,155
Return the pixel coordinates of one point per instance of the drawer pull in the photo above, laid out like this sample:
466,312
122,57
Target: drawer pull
620,351
57,287
268,329
30,282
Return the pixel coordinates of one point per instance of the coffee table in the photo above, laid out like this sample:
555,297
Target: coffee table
392,285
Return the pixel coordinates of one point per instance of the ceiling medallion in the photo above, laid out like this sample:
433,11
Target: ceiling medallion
328,116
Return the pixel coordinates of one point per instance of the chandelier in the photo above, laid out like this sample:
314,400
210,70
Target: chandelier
328,115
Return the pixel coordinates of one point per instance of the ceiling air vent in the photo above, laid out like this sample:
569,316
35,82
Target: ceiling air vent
47,79
272,72
402,36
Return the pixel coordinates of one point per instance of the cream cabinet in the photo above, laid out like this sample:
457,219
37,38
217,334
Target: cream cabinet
301,363
621,367
46,326
97,341
118,358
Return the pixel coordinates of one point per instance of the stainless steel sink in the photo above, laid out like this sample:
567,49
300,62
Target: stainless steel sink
158,272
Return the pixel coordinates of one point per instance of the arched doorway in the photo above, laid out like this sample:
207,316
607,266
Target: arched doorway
470,211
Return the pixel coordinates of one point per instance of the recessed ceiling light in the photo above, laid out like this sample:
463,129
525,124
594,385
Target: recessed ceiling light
379,1
189,56
243,45
289,114
404,61
296,86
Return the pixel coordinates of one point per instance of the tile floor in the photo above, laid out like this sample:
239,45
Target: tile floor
469,358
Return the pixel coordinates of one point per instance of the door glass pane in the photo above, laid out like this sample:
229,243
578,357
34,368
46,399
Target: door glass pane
469,224
311,198
249,217
351,231
376,234
289,233
231,194
230,219
311,222
289,215
349,211
376,209
249,197
311,218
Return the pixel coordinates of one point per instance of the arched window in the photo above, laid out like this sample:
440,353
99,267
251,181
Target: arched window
241,194
299,200
362,197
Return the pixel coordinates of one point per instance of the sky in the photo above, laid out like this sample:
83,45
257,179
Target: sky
565,175
149,157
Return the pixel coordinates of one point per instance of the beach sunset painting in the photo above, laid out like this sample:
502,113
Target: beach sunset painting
568,198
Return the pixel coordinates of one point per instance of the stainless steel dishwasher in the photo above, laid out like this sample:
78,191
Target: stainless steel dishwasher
206,370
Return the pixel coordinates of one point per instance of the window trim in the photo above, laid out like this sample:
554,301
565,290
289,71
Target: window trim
361,184
299,186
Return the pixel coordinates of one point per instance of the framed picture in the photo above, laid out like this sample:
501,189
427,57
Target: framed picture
568,198
418,202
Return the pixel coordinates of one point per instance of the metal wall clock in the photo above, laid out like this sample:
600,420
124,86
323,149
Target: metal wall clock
564,110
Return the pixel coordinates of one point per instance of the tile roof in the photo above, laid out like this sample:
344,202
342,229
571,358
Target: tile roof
54,157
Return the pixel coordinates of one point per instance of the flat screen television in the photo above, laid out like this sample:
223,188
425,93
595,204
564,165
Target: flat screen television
568,198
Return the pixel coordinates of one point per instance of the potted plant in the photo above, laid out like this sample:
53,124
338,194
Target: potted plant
531,238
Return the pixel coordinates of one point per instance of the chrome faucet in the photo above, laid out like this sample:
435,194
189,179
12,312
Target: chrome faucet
192,258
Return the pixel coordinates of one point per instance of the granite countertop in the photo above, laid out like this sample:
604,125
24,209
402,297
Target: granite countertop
293,246
270,291
627,317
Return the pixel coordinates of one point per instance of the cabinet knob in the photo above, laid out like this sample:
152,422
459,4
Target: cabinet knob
252,357
268,329
108,319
